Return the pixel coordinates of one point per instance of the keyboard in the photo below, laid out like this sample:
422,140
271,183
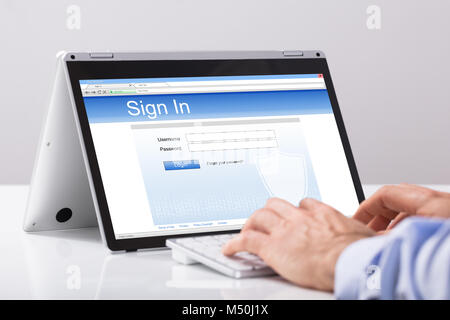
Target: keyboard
207,250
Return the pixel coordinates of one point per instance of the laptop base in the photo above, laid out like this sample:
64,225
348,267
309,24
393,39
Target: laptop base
59,196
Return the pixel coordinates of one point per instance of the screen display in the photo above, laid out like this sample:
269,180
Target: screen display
198,154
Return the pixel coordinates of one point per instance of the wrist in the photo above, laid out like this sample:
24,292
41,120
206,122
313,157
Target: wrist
341,243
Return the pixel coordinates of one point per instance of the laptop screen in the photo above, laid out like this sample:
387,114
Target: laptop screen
197,154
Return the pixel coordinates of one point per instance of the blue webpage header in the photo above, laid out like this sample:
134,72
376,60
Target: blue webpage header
134,108
185,106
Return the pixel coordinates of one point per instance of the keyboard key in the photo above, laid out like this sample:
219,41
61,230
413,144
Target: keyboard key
213,243
224,259
222,241
234,263
247,256
212,253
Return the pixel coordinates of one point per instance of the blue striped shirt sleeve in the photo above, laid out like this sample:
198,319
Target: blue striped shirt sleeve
410,262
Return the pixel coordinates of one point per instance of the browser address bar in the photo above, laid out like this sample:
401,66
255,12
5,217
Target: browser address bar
242,82
232,88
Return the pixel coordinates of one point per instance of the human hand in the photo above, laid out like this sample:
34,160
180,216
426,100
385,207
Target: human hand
391,204
302,244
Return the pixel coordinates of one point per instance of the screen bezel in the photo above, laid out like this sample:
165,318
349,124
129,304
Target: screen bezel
125,69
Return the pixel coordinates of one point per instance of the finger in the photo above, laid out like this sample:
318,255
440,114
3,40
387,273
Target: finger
424,189
250,240
401,216
379,193
373,206
320,211
263,220
389,201
300,214
283,208
413,186
379,223
310,204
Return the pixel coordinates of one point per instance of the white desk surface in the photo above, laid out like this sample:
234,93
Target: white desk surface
74,264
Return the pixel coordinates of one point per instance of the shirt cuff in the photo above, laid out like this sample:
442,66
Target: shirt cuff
352,267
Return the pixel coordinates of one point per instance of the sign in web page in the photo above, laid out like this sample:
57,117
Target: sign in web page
180,155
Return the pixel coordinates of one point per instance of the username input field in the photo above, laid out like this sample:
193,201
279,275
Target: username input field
231,140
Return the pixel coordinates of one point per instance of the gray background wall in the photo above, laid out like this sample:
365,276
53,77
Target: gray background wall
392,83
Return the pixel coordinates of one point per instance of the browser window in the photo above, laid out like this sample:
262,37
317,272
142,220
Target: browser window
197,154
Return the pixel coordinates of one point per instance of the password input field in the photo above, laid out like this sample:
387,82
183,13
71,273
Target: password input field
230,140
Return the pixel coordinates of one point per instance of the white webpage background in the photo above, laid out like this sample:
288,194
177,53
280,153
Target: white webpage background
235,180
126,193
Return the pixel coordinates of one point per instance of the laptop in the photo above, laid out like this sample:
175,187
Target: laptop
179,149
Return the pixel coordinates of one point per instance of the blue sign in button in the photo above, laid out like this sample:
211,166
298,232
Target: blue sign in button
181,165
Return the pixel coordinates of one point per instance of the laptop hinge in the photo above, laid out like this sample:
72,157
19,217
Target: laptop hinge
101,55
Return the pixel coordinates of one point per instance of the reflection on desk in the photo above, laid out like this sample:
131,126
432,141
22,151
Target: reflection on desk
156,275
62,264
75,265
